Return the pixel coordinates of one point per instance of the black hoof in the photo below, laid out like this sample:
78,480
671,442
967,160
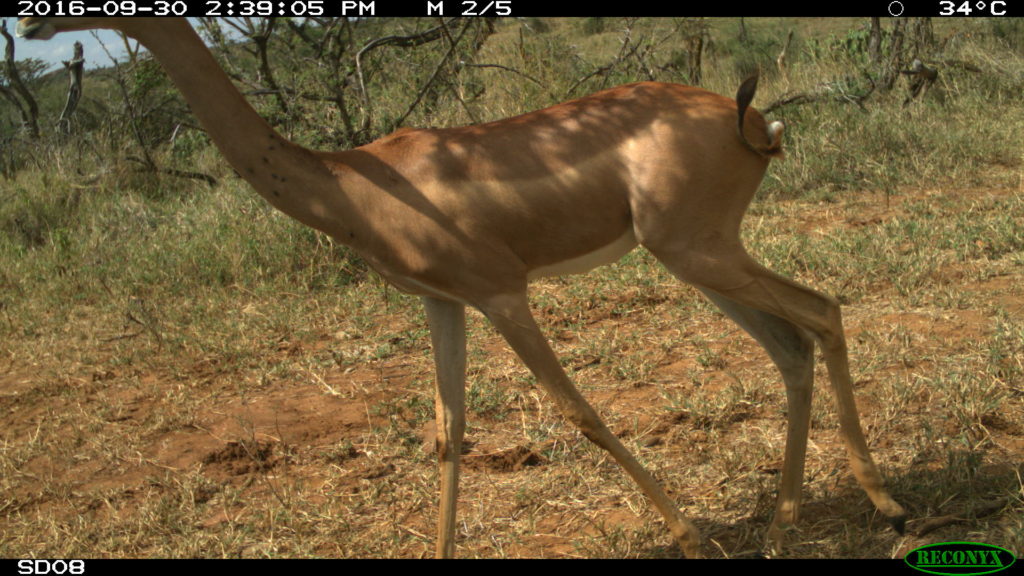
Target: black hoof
899,523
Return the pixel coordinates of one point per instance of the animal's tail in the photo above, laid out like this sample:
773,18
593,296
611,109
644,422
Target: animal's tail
773,132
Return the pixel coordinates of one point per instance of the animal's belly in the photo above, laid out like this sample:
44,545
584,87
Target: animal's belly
604,255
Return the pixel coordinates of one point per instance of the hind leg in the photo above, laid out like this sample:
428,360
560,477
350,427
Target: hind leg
792,350
728,271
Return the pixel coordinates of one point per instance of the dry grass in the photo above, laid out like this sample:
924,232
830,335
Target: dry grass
311,443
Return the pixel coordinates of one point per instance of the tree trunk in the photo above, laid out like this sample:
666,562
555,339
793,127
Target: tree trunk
897,58
74,68
28,108
875,42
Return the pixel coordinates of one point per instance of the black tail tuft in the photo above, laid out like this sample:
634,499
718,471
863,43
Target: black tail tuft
744,96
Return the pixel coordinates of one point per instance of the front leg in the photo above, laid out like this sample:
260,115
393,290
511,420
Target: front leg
447,322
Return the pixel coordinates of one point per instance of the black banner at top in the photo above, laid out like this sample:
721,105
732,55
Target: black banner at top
510,8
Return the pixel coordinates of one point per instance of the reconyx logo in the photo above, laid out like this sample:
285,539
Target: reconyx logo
960,558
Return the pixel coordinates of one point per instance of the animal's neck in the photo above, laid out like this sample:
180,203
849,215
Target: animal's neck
290,177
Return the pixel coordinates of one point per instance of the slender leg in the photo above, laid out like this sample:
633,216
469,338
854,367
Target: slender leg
731,273
511,316
792,350
447,322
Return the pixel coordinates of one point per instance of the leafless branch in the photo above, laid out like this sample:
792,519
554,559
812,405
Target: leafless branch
393,40
506,68
828,91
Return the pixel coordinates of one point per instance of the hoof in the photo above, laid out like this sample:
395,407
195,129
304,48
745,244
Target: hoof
899,523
